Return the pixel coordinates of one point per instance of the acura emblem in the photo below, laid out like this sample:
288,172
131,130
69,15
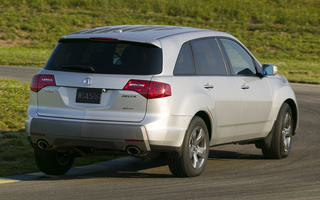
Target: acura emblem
87,81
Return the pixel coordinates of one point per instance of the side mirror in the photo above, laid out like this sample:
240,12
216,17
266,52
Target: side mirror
269,70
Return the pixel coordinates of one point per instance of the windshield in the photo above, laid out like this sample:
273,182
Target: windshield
105,57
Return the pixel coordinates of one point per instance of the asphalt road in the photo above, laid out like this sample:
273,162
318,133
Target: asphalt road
232,172
23,74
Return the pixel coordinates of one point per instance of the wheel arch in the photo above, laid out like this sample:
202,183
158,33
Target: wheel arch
205,117
295,113
283,93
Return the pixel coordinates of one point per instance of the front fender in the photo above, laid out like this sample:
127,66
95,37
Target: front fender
282,92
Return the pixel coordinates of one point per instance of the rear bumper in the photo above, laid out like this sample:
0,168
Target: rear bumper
68,133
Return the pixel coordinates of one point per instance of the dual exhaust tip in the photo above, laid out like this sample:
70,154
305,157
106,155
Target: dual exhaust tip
132,150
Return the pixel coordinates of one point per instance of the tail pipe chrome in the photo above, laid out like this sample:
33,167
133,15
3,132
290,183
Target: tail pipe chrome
42,144
133,150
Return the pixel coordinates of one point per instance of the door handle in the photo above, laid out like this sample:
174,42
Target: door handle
208,86
245,87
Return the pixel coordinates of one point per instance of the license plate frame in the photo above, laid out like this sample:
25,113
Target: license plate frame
88,95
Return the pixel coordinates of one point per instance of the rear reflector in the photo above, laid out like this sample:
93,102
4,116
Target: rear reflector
133,140
39,81
149,89
38,134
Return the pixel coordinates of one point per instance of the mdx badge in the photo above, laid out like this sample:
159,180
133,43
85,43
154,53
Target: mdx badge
87,81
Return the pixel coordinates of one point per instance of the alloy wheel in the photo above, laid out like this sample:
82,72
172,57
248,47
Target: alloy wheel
286,133
197,147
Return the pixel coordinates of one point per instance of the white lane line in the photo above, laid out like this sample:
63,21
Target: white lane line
7,180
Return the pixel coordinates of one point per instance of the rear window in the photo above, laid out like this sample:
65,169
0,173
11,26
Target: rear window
105,57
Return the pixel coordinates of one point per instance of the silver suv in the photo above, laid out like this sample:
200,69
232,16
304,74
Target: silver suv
147,90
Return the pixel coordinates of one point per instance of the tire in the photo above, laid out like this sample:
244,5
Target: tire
282,135
52,162
195,151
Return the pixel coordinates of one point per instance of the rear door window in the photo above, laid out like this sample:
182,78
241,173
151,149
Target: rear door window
208,58
83,55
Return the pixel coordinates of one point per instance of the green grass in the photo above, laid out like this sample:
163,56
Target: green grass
14,98
16,156
23,56
297,71
283,32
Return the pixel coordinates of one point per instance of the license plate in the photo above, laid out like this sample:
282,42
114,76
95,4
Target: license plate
85,95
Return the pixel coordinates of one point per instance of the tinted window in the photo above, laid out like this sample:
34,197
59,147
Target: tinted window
208,58
184,64
241,62
106,57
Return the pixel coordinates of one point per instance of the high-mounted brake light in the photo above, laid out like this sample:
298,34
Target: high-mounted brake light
103,39
39,81
149,89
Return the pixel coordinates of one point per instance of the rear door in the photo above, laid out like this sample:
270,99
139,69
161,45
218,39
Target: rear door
90,77
222,96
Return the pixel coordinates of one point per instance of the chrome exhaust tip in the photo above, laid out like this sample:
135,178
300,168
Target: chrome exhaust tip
43,144
134,151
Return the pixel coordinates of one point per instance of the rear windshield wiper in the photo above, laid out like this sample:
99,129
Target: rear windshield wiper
79,67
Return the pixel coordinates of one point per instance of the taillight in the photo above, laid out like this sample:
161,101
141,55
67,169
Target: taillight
39,81
149,89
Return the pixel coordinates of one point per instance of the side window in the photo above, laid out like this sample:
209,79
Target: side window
208,58
241,62
184,64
